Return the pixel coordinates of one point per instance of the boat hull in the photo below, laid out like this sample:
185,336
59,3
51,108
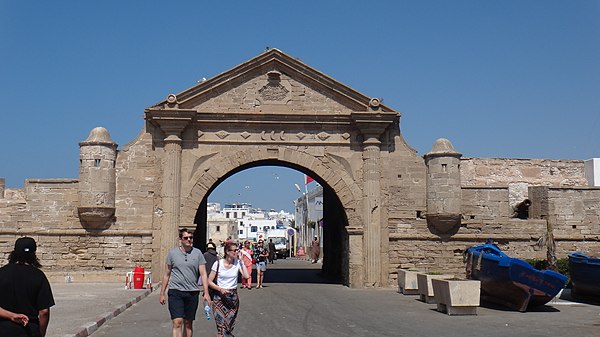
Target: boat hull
585,276
511,282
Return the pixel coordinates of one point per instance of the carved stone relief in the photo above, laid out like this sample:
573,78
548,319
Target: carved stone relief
274,90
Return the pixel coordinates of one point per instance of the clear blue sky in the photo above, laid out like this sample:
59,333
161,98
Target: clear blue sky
516,79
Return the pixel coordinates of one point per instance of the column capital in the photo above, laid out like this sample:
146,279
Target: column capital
373,124
172,139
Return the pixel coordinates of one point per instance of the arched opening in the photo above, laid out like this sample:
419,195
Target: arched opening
334,252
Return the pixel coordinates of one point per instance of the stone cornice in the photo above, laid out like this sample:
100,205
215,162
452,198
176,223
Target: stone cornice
171,120
283,117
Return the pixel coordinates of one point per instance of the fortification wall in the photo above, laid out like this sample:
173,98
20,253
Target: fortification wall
571,213
46,209
538,172
413,246
574,215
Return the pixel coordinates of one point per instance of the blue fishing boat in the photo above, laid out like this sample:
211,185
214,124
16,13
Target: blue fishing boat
585,276
511,282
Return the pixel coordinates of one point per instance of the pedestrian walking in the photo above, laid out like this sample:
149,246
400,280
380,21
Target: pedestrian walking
211,256
271,251
316,250
247,261
184,266
223,281
261,255
25,293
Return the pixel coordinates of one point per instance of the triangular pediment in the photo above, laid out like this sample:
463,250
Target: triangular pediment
271,81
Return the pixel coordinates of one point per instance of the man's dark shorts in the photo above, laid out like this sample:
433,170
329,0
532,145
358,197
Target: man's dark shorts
183,304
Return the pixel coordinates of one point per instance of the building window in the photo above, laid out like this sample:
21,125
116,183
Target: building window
227,215
241,231
444,167
218,228
253,229
97,162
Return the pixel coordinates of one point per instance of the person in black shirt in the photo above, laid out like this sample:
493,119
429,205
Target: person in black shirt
211,256
260,254
25,290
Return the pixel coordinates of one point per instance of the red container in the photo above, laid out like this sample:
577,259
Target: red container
138,278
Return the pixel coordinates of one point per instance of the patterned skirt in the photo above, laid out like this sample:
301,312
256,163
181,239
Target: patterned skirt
225,311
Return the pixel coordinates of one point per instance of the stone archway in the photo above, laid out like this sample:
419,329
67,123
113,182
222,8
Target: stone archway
336,248
213,169
275,108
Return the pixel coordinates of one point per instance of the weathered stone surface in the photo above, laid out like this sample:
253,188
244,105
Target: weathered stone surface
275,110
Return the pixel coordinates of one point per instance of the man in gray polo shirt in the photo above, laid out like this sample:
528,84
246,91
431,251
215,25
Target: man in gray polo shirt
184,265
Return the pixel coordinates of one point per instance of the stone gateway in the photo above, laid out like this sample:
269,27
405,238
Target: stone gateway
385,206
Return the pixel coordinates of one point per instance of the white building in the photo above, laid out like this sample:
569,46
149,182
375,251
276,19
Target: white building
308,216
249,223
236,211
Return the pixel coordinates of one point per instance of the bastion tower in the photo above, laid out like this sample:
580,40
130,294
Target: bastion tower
443,188
97,157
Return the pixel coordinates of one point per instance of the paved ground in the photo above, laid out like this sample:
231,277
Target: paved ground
81,307
297,302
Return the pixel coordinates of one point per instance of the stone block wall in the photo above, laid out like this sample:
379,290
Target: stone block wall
84,256
405,191
574,214
413,246
480,203
12,207
46,209
43,204
539,172
137,185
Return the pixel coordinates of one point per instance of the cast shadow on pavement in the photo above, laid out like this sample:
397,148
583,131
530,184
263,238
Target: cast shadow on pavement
297,276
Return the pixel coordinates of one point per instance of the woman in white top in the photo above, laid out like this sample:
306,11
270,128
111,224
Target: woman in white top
223,281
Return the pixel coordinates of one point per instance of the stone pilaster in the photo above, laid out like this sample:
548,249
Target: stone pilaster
373,124
372,209
172,121
171,194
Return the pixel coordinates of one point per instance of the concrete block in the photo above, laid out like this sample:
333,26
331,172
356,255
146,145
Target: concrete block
457,297
426,291
407,282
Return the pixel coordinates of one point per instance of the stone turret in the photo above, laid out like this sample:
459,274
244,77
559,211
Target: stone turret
97,157
443,188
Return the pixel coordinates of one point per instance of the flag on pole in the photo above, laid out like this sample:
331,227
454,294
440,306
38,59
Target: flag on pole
307,179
